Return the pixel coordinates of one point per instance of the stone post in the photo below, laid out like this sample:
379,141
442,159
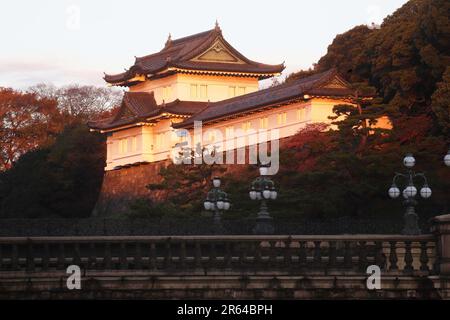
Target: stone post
441,228
263,221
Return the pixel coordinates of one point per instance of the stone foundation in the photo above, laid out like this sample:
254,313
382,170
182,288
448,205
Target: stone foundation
124,185
137,285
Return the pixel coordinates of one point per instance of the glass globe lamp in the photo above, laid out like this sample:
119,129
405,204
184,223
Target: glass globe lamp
410,191
216,182
409,161
447,158
425,192
394,192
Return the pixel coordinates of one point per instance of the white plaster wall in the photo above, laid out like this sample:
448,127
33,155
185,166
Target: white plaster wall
316,111
218,87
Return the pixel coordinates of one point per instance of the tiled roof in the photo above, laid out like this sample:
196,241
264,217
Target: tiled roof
315,85
139,106
178,54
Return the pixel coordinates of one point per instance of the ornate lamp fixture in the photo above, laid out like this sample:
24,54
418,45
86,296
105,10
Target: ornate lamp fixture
409,193
217,201
263,189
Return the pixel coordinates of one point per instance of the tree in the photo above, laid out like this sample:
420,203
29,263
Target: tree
184,185
32,119
26,122
78,103
404,59
441,103
60,180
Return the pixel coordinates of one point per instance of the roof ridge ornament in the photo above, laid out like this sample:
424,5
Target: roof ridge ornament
169,40
217,27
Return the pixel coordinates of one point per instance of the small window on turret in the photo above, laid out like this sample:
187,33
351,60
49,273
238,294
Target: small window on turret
160,140
241,91
193,91
229,132
203,91
264,123
232,92
282,118
134,143
123,146
301,114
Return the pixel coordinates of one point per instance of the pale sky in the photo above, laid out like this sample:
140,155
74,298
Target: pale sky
63,42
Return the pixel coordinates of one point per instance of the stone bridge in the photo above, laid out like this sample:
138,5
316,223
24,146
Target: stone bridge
229,267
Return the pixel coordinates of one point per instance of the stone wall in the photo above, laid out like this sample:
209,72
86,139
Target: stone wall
244,286
122,186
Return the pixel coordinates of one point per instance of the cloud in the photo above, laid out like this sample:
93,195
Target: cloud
22,74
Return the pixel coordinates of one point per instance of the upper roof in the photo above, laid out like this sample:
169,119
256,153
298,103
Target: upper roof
325,84
140,106
205,52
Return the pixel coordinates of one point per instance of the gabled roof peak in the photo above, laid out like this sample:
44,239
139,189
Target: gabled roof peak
180,54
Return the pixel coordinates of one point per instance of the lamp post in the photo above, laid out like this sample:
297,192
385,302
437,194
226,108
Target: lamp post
217,201
409,193
263,189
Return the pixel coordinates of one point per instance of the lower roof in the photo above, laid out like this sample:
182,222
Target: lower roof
141,106
325,84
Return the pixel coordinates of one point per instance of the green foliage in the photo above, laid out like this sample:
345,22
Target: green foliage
62,180
404,59
145,209
347,171
330,179
184,186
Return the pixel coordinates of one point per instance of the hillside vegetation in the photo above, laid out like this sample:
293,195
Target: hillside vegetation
324,174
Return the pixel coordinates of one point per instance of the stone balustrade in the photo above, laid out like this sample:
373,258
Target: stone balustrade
297,266
309,254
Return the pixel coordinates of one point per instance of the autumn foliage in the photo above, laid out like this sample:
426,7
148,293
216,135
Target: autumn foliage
347,171
52,165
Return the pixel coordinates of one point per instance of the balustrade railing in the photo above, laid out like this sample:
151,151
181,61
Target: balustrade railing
408,255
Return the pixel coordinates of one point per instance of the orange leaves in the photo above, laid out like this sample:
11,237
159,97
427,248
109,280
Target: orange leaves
302,150
25,123
410,129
